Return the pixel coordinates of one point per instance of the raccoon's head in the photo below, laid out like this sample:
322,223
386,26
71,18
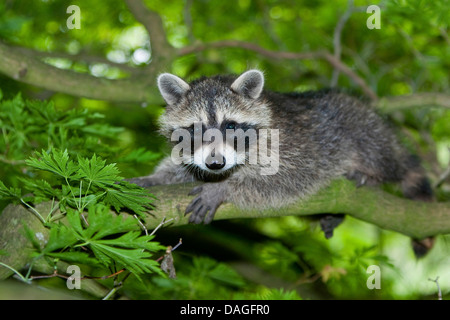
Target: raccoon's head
213,107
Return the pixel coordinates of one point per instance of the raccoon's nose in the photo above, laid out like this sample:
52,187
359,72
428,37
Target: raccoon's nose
214,164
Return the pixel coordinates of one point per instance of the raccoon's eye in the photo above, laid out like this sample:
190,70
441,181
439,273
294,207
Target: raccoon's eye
231,125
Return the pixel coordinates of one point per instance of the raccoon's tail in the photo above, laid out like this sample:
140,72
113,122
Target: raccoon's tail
416,186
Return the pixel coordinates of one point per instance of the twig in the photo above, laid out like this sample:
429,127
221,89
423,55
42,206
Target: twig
443,32
163,222
278,55
307,279
46,276
104,277
36,213
116,287
178,244
141,224
56,274
337,39
188,20
11,162
18,274
438,287
267,25
442,177
171,249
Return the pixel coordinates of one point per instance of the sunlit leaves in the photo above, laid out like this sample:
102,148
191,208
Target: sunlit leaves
97,173
29,125
83,182
58,163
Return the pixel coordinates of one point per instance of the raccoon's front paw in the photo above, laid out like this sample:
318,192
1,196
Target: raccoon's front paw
204,206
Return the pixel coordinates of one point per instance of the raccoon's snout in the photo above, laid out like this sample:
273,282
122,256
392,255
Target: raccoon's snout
214,164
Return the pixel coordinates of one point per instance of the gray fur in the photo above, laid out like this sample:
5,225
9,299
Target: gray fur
323,135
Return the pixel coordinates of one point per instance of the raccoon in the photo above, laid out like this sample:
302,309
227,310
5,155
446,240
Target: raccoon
321,135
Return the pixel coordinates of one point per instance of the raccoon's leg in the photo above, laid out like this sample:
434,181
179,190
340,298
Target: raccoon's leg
166,173
416,186
413,181
209,197
251,190
329,222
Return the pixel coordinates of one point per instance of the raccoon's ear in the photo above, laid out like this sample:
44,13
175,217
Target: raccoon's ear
250,84
171,87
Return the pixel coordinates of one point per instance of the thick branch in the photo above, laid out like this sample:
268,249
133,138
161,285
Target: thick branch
26,68
412,218
161,48
22,65
81,57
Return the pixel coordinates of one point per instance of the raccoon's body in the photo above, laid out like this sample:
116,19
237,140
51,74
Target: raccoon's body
322,136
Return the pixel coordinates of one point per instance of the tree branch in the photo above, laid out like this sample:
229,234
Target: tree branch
160,48
80,57
337,39
412,218
278,55
390,104
25,67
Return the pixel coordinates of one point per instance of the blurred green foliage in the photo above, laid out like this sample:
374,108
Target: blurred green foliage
283,258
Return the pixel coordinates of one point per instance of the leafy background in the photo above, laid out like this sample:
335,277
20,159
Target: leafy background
243,259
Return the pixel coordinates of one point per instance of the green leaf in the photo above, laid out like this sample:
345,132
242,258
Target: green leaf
277,294
61,237
96,173
135,260
226,274
41,189
126,195
134,240
104,223
57,162
11,193
124,245
73,217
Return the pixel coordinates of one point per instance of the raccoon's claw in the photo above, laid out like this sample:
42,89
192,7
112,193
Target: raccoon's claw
204,206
